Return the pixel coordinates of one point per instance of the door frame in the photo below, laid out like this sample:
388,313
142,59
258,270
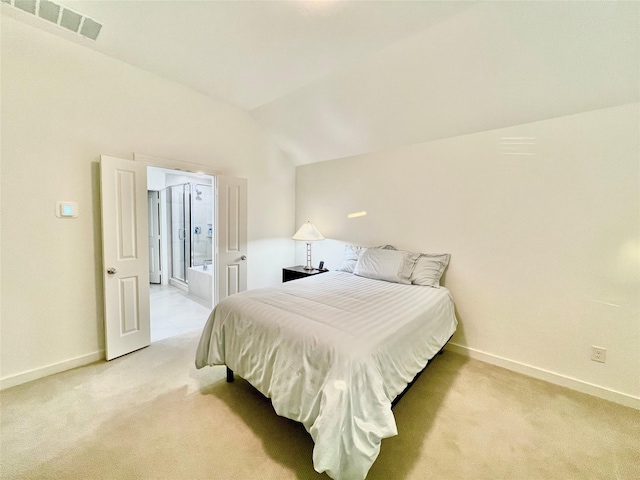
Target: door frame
137,310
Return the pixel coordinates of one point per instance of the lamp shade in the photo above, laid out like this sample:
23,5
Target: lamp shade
308,233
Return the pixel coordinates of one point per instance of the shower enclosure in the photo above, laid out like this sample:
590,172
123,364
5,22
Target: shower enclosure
191,228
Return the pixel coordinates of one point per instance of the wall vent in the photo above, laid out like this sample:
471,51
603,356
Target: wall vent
61,16
518,146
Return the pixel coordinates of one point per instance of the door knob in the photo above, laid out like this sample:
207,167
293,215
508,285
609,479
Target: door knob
111,270
243,257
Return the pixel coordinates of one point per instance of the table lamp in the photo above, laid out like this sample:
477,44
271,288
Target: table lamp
308,233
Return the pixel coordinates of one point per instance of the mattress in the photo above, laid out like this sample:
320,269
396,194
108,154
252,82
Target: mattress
331,351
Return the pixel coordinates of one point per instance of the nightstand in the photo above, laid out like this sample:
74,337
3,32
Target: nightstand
294,273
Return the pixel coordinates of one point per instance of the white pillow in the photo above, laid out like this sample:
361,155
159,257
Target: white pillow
429,268
351,255
388,265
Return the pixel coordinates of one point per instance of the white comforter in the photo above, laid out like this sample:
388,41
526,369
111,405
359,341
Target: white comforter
331,351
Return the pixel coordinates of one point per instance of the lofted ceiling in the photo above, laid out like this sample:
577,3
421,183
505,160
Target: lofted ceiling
332,78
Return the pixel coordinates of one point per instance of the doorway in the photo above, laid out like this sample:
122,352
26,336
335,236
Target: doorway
125,245
181,231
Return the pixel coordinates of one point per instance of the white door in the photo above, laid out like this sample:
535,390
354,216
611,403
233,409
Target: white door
125,255
231,265
153,209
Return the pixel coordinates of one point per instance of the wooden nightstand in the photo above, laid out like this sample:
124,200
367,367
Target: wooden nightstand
294,273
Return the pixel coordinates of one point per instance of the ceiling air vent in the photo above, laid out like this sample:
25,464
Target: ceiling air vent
49,11
70,20
28,6
61,16
90,28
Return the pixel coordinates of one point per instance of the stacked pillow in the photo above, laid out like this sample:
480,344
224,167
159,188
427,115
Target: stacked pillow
352,254
429,269
398,266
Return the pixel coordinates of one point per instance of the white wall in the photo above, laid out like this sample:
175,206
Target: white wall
64,105
545,247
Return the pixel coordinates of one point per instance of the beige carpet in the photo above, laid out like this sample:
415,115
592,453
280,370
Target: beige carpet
152,415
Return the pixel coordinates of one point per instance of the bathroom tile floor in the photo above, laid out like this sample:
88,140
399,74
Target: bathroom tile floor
174,312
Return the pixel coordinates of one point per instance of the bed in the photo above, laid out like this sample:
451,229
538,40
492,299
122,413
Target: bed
332,351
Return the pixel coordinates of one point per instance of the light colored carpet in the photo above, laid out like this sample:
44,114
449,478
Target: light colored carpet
152,415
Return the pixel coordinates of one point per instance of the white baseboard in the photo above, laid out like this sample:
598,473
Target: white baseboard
535,372
37,373
551,377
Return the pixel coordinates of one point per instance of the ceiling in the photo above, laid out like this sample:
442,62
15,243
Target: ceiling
250,53
332,78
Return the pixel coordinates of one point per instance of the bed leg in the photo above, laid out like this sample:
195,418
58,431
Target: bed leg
229,375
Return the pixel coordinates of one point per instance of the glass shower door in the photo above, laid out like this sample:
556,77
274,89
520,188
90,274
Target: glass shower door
180,231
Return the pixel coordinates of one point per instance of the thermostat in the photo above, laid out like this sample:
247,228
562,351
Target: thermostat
66,209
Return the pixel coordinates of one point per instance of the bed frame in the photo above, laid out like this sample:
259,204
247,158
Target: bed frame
401,394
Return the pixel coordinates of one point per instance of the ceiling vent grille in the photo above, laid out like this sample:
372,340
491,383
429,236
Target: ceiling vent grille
61,16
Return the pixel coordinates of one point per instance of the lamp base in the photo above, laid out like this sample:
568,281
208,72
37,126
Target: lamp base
308,265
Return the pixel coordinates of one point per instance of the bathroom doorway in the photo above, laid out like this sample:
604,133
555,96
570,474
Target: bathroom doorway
124,185
181,254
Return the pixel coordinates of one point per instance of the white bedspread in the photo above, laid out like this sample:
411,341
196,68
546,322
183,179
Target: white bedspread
331,351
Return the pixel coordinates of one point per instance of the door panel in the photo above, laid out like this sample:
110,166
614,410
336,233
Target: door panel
232,236
130,313
125,251
233,280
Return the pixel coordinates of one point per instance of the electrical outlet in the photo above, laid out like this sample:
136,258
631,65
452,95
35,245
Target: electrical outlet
598,354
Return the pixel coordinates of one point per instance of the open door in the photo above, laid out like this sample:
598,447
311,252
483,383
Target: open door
125,254
231,265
